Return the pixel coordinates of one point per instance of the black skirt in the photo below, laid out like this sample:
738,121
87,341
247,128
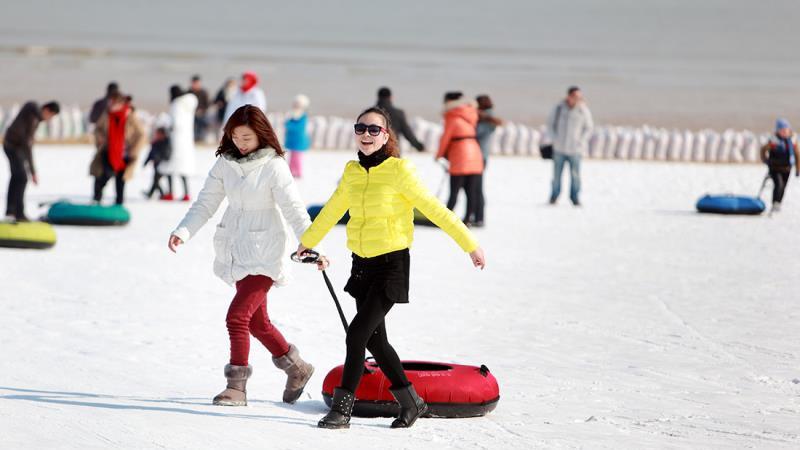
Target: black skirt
384,277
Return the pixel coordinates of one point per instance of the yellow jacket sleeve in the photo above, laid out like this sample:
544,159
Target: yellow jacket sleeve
330,214
412,188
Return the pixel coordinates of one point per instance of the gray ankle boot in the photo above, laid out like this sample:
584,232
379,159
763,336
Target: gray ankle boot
235,394
412,406
298,373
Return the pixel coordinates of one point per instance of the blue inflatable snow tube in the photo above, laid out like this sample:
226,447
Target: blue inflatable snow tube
730,204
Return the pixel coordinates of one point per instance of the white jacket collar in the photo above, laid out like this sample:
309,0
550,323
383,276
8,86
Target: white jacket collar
252,159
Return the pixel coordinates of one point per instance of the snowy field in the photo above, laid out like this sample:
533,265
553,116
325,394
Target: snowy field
632,322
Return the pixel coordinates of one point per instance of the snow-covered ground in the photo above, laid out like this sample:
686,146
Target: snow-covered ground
632,322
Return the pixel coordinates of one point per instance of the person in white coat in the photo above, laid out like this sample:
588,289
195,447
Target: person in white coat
251,244
181,161
248,94
570,125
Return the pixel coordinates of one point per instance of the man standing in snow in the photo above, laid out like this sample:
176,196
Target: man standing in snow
397,118
570,126
18,145
101,105
201,114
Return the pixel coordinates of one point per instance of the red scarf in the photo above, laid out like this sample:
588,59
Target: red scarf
116,138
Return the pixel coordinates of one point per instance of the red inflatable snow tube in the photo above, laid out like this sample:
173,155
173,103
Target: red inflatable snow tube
451,390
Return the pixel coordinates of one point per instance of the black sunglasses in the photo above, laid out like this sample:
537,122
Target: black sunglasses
374,130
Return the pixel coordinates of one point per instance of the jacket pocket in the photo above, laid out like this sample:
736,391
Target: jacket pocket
221,244
254,249
358,283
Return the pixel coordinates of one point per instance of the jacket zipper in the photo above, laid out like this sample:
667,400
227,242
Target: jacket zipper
363,208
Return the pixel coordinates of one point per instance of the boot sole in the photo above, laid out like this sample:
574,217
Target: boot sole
229,403
421,413
331,426
291,400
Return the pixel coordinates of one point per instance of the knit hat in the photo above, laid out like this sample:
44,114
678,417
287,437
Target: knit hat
301,101
781,124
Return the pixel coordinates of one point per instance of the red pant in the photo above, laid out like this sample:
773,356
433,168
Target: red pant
248,314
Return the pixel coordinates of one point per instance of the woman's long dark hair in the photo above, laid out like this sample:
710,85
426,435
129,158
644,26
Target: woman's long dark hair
390,148
253,117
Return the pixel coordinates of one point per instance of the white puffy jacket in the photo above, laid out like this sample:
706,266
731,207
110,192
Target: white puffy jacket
181,112
252,238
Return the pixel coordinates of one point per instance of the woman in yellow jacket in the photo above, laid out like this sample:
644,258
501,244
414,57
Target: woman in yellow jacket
380,190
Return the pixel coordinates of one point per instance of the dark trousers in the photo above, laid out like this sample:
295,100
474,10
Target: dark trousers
481,202
200,126
185,184
108,173
15,202
375,285
779,181
156,186
470,185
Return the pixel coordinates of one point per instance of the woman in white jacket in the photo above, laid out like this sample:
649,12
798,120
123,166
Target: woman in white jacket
181,161
251,244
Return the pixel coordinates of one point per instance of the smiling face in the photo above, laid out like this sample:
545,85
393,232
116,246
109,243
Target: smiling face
245,139
367,143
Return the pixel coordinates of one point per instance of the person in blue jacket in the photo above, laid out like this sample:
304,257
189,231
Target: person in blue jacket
780,153
297,140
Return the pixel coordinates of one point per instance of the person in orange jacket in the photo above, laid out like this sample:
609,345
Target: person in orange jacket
460,147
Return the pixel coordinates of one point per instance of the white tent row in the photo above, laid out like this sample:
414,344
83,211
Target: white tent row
606,142
609,142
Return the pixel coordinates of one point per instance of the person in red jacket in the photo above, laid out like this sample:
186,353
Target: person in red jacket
460,147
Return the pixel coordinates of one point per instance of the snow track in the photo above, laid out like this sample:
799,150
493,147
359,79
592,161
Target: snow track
632,322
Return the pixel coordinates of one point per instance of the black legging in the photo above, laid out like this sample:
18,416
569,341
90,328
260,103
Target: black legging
15,202
368,331
470,185
376,284
779,181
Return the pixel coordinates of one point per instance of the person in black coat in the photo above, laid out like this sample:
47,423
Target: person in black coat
101,105
397,118
160,151
18,145
200,119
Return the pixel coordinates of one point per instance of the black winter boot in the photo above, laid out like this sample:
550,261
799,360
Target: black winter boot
341,409
411,406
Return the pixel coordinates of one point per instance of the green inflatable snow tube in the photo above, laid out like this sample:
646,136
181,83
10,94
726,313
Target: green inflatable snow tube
37,235
66,213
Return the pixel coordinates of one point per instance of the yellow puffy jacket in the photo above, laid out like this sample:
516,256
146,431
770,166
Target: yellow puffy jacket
381,204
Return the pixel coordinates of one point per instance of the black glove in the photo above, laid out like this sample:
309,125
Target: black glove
421,148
